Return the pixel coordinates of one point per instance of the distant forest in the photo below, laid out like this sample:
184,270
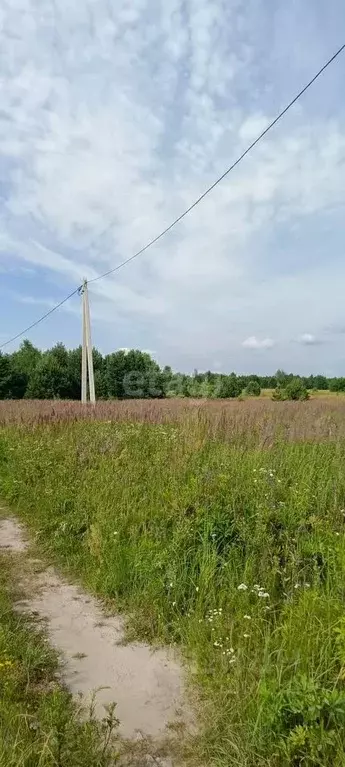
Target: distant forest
56,373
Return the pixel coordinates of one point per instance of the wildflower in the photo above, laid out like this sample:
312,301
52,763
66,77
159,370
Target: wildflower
174,604
263,594
257,587
6,664
247,617
196,588
296,586
171,585
307,585
242,587
116,532
246,636
232,660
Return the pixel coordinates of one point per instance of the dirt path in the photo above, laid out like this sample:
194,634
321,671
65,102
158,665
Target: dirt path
146,685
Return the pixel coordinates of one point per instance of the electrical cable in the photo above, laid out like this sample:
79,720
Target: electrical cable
37,322
191,207
218,180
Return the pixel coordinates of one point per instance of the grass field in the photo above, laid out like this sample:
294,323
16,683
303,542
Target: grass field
217,526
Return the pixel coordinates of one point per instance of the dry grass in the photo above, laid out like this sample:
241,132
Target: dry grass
260,420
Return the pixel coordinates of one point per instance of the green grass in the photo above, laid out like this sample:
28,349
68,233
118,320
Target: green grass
39,724
169,522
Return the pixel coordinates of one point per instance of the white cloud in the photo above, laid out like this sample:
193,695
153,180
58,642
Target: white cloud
112,122
255,343
308,339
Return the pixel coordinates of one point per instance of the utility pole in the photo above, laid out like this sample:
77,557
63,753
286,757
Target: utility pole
86,355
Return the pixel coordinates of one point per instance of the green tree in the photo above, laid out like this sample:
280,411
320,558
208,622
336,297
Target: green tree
5,377
295,390
13,383
227,387
133,374
100,385
49,380
26,358
60,354
253,389
321,383
337,384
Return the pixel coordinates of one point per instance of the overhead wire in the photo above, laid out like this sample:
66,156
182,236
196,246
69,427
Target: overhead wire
226,173
37,322
190,208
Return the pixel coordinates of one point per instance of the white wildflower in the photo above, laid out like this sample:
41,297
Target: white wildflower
247,617
263,594
246,636
242,587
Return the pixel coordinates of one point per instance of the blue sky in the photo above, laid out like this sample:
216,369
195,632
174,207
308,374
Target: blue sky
114,117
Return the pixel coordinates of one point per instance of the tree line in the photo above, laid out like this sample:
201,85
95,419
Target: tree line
56,373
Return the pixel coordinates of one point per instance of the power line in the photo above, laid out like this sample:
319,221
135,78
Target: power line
37,322
191,207
218,180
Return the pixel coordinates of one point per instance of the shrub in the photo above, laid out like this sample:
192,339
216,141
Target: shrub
253,389
296,390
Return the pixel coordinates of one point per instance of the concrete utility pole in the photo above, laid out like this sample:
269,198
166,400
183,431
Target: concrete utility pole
86,356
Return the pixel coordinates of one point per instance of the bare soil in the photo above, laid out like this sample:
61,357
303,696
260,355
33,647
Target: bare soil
146,684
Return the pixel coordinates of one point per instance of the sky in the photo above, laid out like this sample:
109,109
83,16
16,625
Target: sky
114,117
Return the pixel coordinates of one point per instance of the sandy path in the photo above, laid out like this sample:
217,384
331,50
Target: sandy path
147,685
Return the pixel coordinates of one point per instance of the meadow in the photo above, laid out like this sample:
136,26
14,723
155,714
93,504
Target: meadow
217,526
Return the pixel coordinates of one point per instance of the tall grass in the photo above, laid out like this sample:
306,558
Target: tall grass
229,542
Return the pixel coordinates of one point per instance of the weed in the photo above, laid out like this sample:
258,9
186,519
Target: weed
219,529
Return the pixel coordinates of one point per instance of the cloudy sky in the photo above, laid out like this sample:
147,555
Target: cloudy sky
114,116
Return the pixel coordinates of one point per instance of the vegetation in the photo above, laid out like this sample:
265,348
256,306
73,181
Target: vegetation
56,373
295,390
218,527
39,724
